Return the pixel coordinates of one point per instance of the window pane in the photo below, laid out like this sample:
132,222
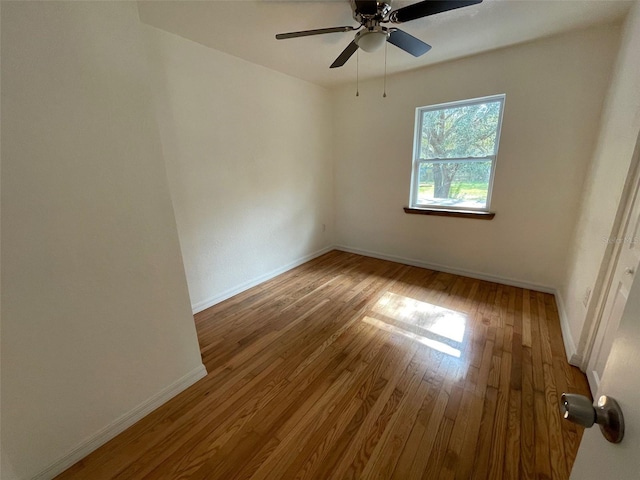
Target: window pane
462,184
465,131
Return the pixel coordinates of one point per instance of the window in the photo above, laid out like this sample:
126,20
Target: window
455,151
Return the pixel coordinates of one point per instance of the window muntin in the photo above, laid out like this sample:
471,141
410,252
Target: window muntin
455,151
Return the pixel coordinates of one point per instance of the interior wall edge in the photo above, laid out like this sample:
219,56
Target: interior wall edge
121,424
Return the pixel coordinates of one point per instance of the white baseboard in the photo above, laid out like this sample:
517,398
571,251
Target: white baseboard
447,269
569,344
122,423
203,305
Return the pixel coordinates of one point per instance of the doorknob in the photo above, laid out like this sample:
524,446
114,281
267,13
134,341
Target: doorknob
629,271
606,413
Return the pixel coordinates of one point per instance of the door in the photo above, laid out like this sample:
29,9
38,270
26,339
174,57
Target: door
597,458
625,262
624,273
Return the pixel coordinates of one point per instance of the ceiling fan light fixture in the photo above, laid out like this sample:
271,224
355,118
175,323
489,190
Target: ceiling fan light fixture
371,40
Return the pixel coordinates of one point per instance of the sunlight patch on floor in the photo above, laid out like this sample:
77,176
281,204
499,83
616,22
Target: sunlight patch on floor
429,342
422,315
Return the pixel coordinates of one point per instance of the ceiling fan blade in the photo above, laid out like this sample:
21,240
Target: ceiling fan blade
345,55
408,43
318,31
426,8
366,7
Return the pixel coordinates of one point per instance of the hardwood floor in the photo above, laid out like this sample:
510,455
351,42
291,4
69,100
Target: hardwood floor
352,367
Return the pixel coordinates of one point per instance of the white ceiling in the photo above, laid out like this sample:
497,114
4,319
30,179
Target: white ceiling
247,28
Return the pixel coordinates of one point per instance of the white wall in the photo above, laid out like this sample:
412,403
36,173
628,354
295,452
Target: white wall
554,92
603,190
95,310
248,154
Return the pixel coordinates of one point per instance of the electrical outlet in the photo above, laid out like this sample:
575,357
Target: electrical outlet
587,294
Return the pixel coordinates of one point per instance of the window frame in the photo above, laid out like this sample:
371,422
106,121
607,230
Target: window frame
417,162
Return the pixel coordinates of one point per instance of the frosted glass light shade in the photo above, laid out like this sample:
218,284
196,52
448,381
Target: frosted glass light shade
371,41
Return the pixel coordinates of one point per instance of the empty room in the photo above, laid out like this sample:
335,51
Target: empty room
264,239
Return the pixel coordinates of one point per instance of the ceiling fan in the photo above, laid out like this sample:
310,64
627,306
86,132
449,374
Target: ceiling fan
371,14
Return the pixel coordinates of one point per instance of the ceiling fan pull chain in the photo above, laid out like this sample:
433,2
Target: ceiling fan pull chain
357,73
384,88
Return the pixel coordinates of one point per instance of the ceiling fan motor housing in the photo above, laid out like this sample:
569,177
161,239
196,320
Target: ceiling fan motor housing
369,11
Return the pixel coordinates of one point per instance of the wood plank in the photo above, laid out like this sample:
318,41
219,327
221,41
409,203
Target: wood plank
383,459
482,455
526,319
556,444
366,438
412,446
512,449
542,449
323,437
527,419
